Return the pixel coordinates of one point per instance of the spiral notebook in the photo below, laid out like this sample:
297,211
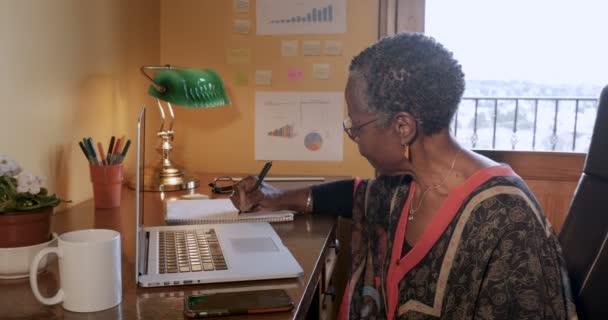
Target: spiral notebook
202,211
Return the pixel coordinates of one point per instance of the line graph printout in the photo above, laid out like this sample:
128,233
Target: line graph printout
304,126
300,16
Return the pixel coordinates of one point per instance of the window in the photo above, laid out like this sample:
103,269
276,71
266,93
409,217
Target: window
534,69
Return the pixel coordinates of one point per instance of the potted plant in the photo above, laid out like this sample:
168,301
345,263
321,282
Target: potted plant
25,207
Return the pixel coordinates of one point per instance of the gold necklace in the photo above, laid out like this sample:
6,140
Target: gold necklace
413,210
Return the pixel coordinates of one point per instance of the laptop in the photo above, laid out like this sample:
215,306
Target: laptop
206,253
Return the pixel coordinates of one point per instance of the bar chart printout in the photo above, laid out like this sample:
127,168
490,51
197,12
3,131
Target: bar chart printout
301,17
319,15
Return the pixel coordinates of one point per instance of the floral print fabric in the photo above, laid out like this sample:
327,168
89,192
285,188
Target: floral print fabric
488,254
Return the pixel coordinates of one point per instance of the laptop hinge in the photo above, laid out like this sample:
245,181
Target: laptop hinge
143,266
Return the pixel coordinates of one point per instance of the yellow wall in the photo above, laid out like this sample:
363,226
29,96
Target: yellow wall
197,33
69,69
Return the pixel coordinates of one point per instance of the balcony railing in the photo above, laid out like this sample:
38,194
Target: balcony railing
526,123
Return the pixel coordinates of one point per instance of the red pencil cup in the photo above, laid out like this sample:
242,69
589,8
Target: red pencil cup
107,185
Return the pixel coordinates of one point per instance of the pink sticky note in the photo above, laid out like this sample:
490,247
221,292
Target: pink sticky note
295,75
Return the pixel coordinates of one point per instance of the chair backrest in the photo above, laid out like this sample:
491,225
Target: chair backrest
584,235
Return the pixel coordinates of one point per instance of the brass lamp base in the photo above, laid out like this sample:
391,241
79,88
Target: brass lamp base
166,179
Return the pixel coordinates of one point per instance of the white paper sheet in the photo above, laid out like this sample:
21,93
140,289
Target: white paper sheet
218,211
300,17
304,126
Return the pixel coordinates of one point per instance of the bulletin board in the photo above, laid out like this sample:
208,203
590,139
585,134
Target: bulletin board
285,65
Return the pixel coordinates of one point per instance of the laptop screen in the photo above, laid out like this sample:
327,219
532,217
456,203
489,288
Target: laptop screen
139,197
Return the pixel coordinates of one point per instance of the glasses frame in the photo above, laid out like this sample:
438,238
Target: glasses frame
353,131
215,188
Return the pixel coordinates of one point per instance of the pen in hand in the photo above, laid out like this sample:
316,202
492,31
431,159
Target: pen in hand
262,175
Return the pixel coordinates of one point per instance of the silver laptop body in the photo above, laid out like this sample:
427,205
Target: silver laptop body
207,253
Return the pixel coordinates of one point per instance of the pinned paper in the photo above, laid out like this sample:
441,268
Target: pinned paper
320,71
263,77
242,26
311,48
241,79
333,48
301,16
289,48
295,75
238,56
299,125
241,6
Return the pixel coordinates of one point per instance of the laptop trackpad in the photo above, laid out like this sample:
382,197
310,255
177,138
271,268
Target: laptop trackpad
248,245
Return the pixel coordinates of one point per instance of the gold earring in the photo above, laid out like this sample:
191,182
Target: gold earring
406,152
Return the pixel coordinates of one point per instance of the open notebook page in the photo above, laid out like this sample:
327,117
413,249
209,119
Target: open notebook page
217,211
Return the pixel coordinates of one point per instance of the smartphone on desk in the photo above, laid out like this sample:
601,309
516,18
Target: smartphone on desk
237,303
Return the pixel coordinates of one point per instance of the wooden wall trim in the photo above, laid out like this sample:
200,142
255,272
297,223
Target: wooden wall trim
552,177
536,165
386,17
410,15
400,15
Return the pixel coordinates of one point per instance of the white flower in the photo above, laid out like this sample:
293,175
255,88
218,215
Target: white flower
27,182
8,166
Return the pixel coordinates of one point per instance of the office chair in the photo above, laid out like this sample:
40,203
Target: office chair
584,235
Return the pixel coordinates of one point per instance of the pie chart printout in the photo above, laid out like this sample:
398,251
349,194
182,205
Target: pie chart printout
313,141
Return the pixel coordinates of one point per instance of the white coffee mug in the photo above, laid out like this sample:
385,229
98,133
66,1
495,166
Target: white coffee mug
89,268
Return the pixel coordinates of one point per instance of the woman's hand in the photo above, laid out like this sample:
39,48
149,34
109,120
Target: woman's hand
246,198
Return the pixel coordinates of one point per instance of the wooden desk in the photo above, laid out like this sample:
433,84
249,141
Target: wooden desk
309,238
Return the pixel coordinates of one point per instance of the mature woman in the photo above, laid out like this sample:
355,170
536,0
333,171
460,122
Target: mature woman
441,232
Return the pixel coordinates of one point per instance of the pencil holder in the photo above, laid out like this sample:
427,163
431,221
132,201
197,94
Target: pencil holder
107,185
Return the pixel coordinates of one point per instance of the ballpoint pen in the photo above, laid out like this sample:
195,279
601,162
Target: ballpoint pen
262,174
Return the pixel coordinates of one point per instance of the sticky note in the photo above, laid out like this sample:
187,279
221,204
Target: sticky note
242,26
241,6
289,48
320,71
295,75
241,79
333,48
238,56
311,48
263,77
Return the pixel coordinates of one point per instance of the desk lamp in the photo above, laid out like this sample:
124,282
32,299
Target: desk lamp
192,88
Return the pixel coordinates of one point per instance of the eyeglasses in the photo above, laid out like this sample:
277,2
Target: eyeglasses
222,185
351,131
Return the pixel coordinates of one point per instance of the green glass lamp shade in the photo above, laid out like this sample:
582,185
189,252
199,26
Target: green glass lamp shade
190,88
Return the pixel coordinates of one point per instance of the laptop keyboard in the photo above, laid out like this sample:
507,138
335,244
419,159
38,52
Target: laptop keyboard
189,251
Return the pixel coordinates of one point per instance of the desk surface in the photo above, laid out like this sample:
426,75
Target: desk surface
307,238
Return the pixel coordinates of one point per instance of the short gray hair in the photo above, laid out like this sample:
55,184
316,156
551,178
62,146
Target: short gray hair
410,72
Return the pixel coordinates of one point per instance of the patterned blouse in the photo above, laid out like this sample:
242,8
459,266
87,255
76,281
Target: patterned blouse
488,253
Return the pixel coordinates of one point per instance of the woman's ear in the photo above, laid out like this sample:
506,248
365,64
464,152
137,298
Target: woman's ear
406,127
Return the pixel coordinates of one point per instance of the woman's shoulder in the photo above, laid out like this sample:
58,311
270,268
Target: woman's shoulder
506,201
